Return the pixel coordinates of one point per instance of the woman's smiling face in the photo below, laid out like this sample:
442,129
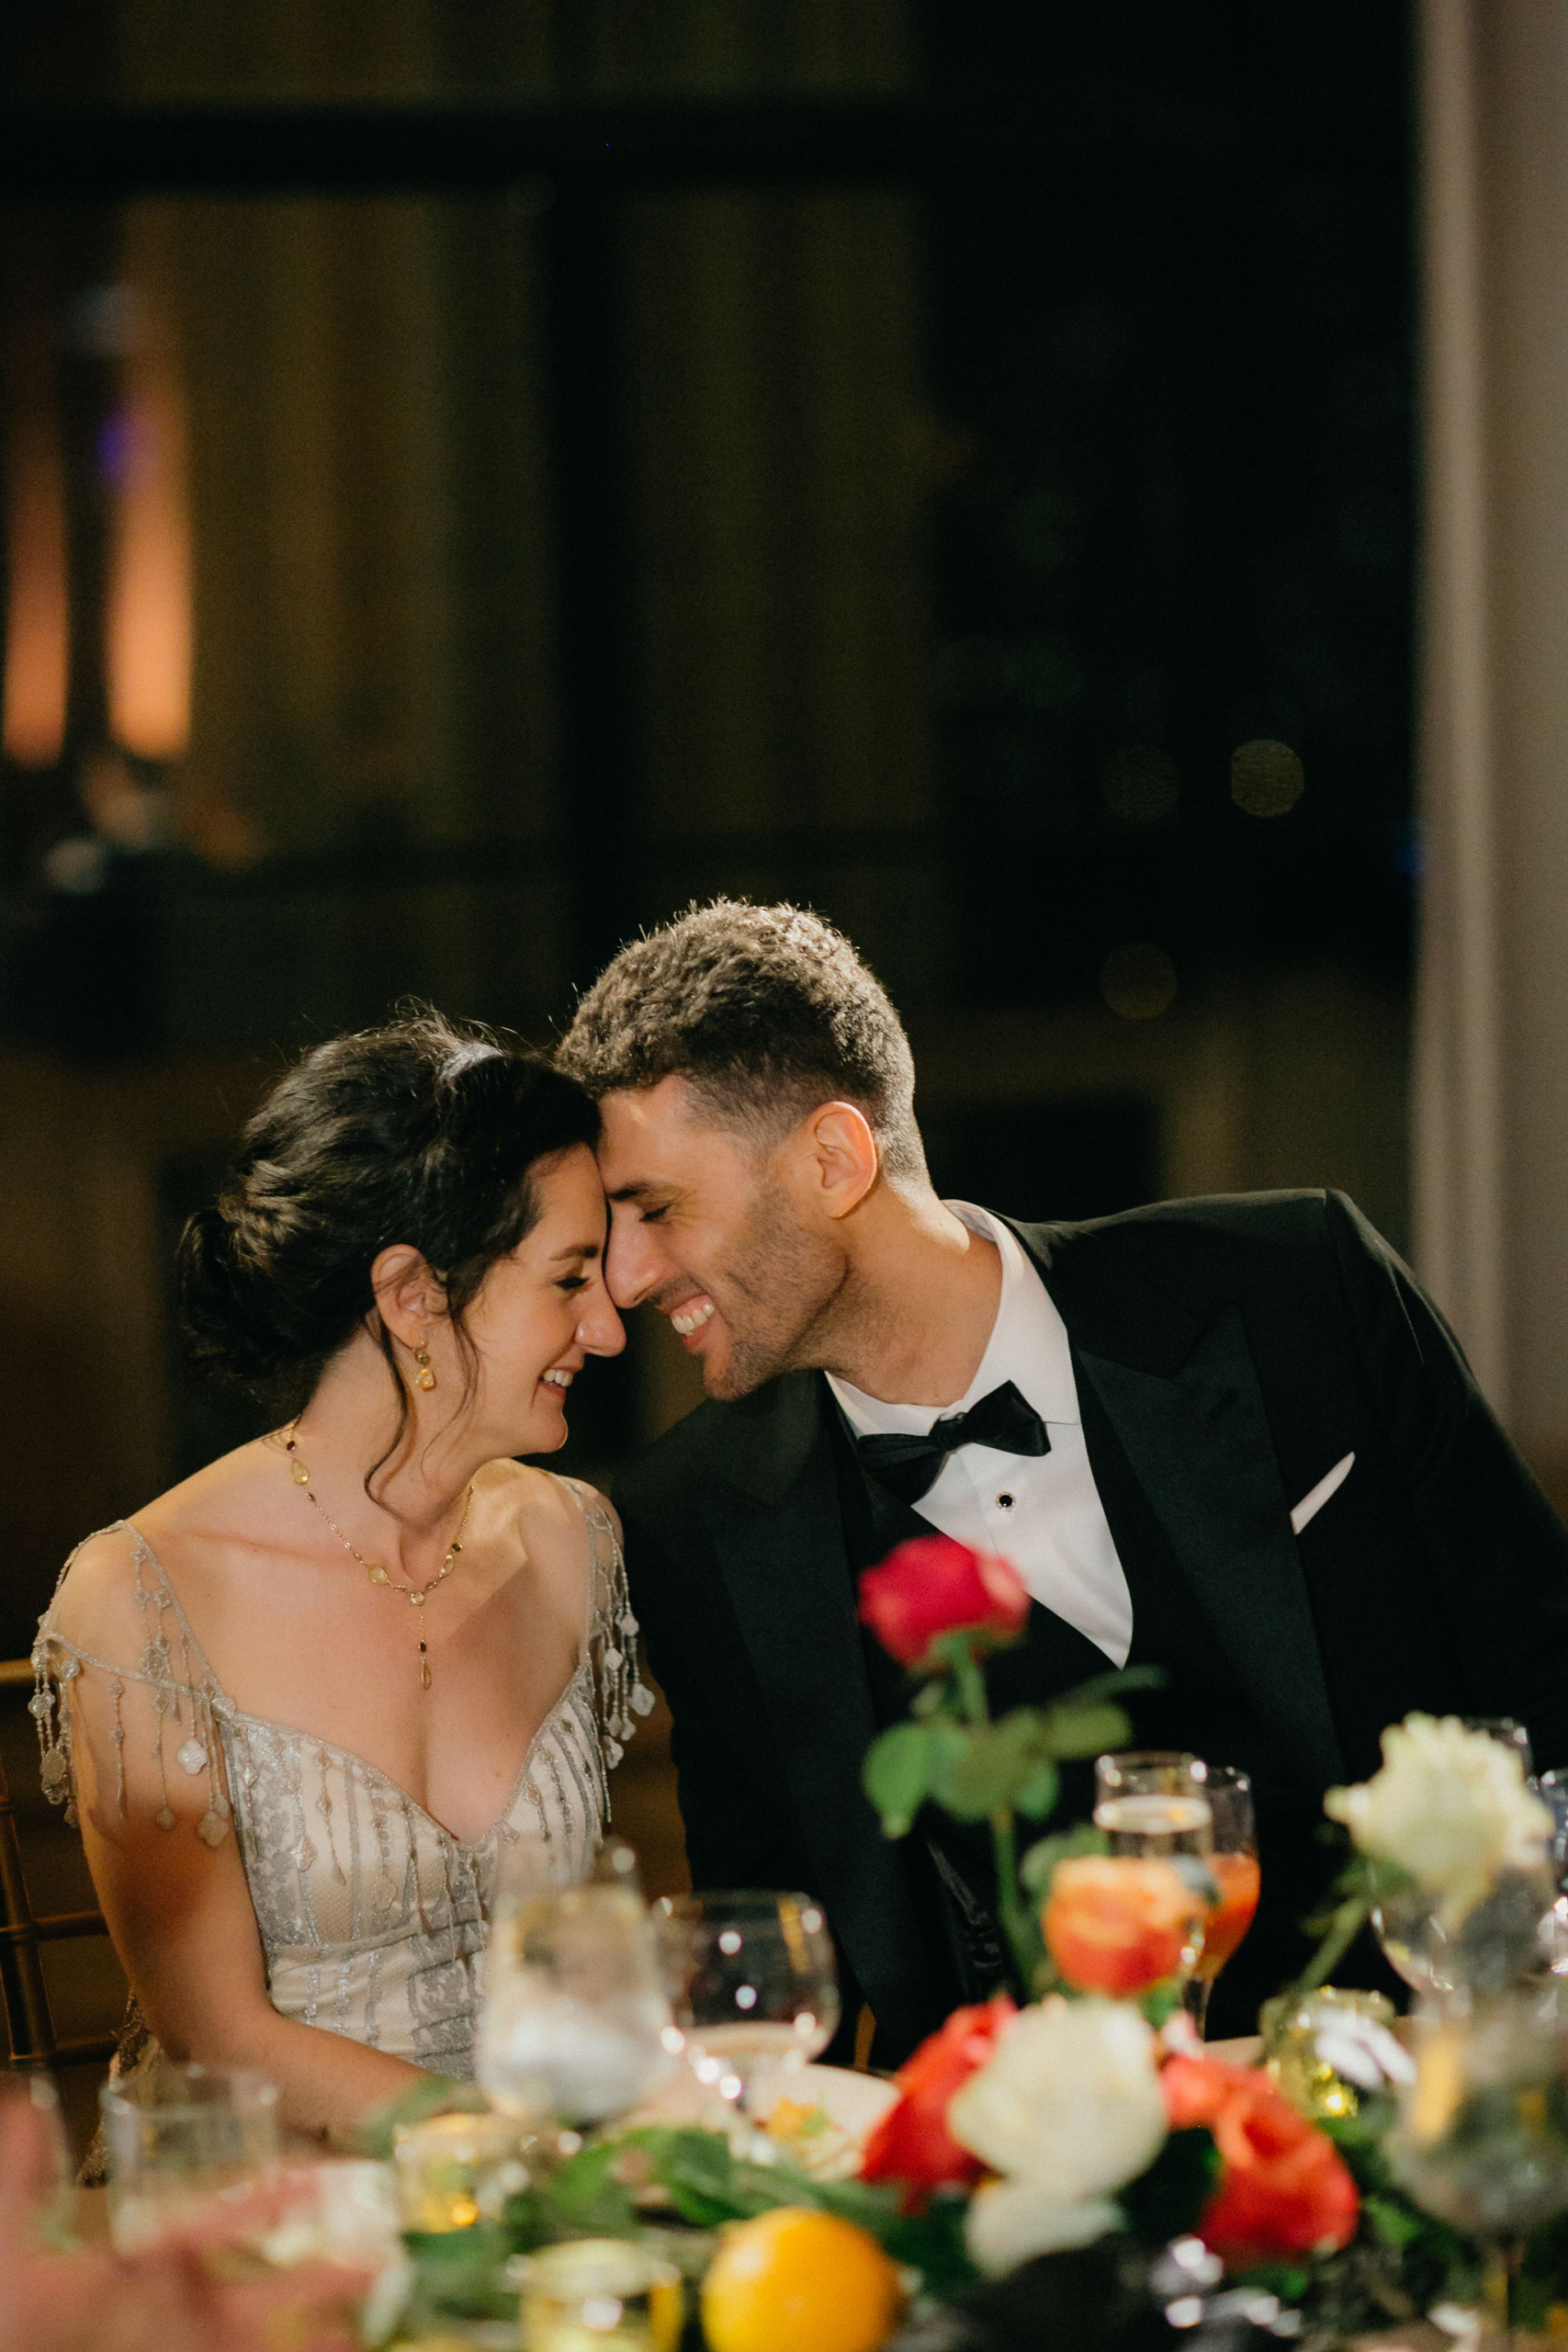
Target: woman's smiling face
543,1310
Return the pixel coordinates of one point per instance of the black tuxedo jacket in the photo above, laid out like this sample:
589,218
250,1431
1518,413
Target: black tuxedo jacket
1229,1352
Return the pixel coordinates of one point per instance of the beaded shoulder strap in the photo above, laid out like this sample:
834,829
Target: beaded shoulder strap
188,1698
612,1629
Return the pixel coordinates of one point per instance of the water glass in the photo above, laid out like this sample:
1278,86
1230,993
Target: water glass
599,2293
176,2135
1481,2139
1153,1802
575,2025
453,2170
753,1984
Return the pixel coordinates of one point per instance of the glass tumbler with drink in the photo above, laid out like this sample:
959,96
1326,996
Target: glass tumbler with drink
177,2135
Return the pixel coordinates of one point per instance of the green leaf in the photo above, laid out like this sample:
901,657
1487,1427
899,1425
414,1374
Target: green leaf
1075,1731
1036,1867
897,1775
587,2201
996,1762
1395,2224
1037,1795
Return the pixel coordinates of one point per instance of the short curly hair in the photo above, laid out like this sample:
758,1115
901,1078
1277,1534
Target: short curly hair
765,1012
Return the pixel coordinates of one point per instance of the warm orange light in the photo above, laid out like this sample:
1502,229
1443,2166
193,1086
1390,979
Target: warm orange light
148,628
38,641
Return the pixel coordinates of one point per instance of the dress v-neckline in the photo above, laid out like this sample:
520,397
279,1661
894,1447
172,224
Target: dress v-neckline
227,1711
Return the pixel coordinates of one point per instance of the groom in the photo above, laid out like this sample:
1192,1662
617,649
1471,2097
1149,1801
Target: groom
1227,1438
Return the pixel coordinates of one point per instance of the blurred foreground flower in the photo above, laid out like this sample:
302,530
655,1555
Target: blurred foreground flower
1119,1924
912,2142
1449,1807
1069,2108
931,1587
1284,2190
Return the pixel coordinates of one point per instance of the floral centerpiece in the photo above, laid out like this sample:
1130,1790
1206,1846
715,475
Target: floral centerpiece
1077,2118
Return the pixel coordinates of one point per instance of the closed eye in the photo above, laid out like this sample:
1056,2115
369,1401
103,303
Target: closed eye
652,1216
572,1282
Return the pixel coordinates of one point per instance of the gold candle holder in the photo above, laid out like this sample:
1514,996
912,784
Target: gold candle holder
454,2170
1291,2028
597,2293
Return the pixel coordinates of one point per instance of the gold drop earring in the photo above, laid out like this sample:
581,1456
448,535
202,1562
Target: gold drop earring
423,1377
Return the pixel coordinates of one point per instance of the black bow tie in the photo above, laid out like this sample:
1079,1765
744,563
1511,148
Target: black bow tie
907,1466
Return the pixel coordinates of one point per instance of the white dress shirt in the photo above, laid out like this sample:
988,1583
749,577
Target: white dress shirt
1042,1512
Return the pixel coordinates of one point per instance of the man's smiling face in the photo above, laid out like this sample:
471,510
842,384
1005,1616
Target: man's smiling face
705,1225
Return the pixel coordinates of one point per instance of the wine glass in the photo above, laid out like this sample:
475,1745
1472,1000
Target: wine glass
754,1987
1233,1862
575,2024
1482,2138
176,2136
1153,1801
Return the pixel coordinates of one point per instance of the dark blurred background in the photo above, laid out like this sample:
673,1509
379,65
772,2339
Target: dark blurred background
478,477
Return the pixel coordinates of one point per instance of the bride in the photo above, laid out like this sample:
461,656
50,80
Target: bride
305,1702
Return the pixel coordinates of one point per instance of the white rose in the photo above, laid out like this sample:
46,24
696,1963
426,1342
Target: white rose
1068,2105
1010,2221
1450,1806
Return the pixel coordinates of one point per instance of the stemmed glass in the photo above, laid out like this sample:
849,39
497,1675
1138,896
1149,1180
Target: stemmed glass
575,2025
753,1984
1153,1802
1481,2139
1232,1860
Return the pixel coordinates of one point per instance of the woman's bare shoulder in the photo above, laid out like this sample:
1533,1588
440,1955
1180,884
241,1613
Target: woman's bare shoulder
108,1575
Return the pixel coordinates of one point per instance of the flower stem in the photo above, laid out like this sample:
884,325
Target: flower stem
1344,1927
974,1708
971,1683
1014,1918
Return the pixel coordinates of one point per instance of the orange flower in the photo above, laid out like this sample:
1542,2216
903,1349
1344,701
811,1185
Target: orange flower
1117,1924
912,2142
1284,2190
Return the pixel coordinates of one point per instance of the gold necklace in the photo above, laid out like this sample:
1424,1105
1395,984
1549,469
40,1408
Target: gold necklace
375,1573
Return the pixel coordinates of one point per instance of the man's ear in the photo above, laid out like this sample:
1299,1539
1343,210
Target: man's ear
408,1299
842,1155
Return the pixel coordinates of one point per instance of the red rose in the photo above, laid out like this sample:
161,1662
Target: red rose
933,1585
912,2142
1284,2190
1119,1923
1196,2088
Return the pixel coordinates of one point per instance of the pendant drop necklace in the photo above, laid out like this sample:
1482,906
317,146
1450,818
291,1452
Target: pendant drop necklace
375,1571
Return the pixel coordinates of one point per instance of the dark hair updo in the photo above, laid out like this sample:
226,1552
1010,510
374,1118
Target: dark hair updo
425,1132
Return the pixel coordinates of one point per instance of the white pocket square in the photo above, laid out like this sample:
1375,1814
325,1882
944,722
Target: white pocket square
1326,1488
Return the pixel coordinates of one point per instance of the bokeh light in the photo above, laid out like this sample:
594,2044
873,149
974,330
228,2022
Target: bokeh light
1138,981
1266,779
1141,784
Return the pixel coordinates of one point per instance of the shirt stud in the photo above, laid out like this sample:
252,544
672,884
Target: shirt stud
1004,1502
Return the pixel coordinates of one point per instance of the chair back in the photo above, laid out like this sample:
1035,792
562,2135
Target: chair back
24,1992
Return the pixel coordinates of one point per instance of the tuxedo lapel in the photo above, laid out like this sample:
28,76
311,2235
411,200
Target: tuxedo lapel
779,1536
1182,1394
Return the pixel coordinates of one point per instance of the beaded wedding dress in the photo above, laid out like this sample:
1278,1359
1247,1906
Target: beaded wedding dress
373,1917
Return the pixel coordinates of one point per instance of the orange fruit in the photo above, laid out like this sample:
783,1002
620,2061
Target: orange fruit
794,2281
